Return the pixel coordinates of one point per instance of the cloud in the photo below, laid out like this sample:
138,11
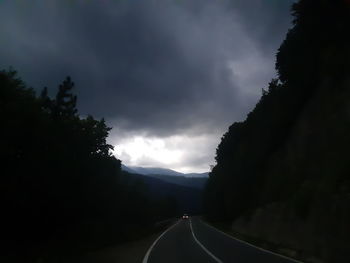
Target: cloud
156,69
184,153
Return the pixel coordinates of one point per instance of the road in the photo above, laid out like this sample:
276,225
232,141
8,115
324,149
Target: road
192,240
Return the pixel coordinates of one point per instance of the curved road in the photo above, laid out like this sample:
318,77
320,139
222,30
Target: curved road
192,240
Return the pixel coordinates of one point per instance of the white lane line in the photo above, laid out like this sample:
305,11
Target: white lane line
251,245
145,259
202,246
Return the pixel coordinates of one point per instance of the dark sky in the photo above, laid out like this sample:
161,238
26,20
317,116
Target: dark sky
168,75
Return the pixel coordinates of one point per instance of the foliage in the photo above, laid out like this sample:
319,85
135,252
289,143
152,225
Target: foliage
59,180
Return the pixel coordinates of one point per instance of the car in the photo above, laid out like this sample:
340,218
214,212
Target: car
185,216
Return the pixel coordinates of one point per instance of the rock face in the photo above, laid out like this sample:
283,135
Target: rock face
320,238
315,221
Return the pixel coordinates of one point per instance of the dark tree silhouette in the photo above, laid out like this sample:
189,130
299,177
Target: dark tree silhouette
60,184
65,103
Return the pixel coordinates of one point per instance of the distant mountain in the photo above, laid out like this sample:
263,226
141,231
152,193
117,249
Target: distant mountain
188,199
154,170
129,170
198,175
194,182
159,171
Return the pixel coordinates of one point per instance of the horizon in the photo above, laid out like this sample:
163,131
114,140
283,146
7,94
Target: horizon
165,168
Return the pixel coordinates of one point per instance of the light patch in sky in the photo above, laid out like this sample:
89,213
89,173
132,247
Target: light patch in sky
153,148
182,153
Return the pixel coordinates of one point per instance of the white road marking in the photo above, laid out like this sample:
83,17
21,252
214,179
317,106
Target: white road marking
145,259
251,245
202,246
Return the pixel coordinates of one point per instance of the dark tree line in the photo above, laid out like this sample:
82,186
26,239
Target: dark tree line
293,147
59,180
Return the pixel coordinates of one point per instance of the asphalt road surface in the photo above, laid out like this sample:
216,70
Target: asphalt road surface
191,240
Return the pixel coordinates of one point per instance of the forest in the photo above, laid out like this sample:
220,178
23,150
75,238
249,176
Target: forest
62,190
282,175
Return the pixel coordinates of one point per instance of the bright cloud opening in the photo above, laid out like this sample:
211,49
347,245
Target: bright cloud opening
151,148
182,153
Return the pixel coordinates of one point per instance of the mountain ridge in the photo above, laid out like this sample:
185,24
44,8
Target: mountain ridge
161,171
183,198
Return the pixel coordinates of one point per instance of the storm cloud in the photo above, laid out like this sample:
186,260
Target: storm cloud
178,71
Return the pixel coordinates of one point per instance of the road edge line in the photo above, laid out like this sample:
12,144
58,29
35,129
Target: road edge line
251,245
202,246
145,258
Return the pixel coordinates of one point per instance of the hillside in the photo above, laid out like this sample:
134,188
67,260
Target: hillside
282,175
160,171
181,199
193,182
63,191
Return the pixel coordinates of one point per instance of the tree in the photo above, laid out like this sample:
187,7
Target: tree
65,102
